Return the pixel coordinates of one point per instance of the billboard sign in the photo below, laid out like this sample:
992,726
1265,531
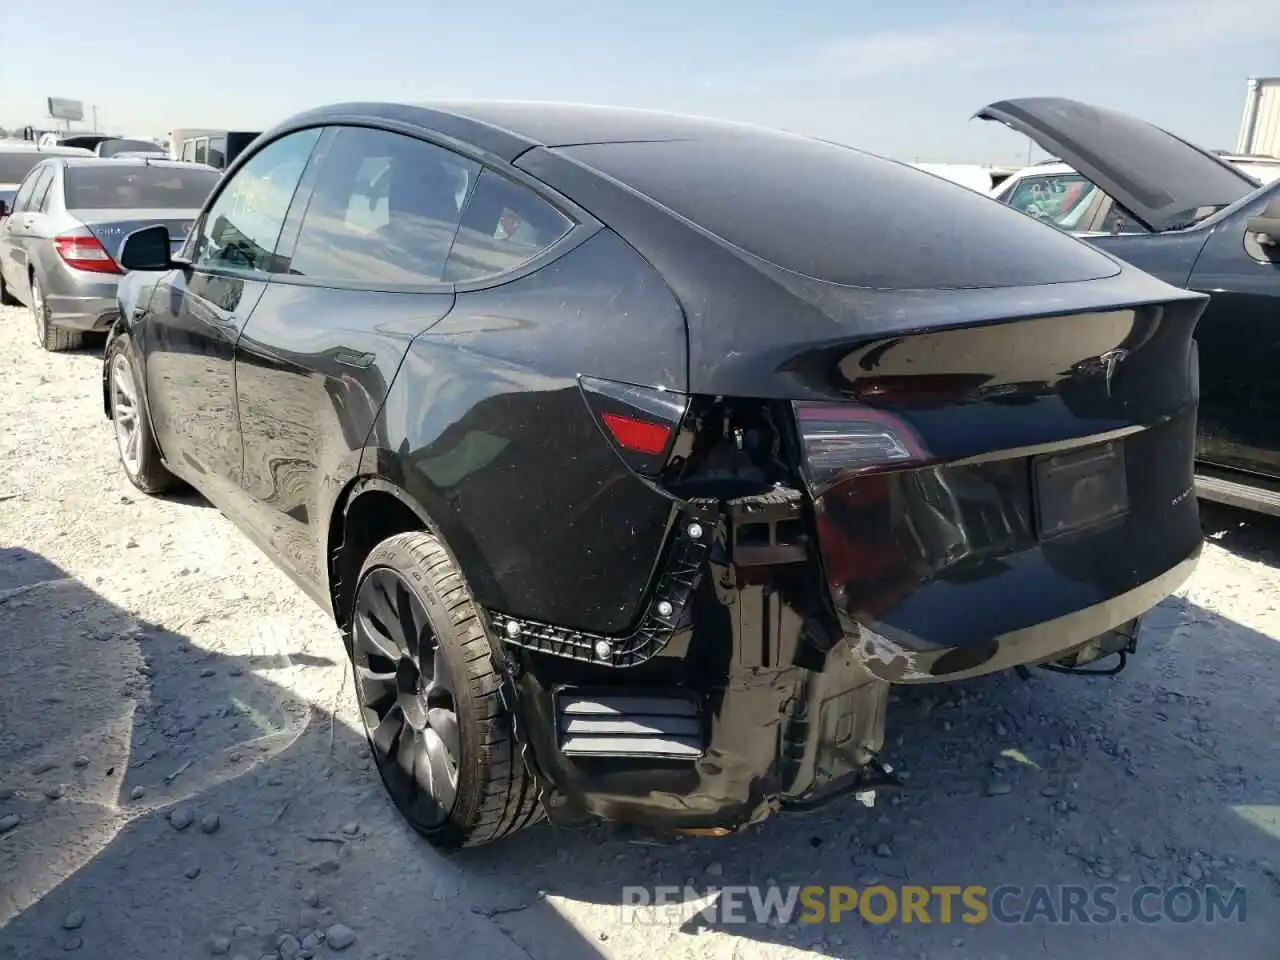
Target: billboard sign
61,109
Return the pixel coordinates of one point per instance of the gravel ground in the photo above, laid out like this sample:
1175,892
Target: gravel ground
179,751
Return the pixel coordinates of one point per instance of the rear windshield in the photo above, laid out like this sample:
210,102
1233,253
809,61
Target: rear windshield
109,148
15,166
843,216
123,186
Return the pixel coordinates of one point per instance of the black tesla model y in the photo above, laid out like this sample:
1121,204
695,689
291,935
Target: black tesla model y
637,455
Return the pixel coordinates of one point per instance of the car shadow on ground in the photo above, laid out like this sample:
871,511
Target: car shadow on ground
1253,536
116,730
1164,775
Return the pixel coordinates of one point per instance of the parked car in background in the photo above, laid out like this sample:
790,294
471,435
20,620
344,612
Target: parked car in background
980,177
118,146
1054,191
17,157
1196,219
85,139
59,243
105,144
217,148
637,455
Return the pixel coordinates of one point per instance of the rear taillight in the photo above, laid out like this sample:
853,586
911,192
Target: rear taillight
84,252
641,422
845,439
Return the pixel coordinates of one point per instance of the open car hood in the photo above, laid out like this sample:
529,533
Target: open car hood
1162,180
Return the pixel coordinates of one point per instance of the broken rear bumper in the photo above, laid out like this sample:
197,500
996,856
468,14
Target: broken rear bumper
752,682
1052,640
721,757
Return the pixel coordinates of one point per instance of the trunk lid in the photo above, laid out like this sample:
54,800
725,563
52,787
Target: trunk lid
112,226
1161,179
971,484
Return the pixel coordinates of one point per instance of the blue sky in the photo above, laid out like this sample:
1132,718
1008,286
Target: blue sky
901,79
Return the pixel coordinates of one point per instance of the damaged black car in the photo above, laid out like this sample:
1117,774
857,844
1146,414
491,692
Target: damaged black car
638,455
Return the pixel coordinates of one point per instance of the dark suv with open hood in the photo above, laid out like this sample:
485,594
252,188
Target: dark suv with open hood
1193,218
638,455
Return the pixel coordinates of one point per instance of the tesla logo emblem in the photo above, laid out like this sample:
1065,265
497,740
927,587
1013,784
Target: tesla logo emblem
1110,360
1104,366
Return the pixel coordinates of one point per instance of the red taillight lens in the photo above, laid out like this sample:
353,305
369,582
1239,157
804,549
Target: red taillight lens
839,439
85,253
638,436
641,422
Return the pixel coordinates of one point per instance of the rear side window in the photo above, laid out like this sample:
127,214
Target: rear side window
504,225
40,196
32,192
122,186
842,216
384,210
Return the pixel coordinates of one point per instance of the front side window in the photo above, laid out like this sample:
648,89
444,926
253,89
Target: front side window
1060,199
241,227
189,150
504,226
202,150
384,210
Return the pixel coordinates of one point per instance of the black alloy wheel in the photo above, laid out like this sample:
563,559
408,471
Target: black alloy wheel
429,695
406,696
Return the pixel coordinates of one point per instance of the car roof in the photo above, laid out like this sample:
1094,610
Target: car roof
508,128
571,124
150,161
26,146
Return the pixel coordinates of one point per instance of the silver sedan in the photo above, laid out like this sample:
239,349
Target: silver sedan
60,239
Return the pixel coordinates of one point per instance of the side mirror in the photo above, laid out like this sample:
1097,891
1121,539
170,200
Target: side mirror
146,249
1266,226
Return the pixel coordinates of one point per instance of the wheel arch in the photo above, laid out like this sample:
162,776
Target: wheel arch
130,315
113,334
369,509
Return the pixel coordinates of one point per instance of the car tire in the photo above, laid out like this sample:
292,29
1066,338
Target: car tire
135,442
7,299
449,760
53,338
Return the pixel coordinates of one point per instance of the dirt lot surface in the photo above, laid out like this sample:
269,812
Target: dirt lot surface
181,773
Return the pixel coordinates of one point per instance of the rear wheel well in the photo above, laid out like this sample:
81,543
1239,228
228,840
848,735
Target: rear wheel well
368,515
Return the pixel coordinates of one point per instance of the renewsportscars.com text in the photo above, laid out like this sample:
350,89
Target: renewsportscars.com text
938,904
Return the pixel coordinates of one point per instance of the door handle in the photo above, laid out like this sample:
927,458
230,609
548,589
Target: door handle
350,358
